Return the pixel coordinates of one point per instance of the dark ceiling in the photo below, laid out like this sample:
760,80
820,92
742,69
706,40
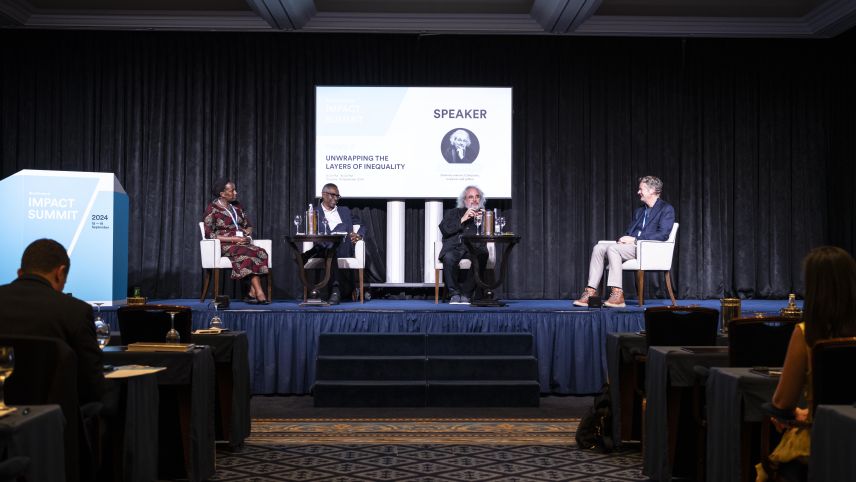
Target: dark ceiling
697,18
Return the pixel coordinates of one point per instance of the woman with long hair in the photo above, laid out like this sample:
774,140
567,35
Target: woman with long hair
829,312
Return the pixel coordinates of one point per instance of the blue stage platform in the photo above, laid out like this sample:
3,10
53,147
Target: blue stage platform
569,341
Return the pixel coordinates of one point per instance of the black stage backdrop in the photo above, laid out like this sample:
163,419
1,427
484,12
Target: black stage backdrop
754,139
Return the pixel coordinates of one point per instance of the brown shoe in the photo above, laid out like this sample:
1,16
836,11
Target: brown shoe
616,299
587,293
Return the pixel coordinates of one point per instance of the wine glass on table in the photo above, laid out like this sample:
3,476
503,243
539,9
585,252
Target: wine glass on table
102,328
297,221
324,224
172,335
215,322
478,220
7,366
501,222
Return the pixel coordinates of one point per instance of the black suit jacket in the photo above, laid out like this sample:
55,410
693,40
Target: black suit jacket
451,155
346,247
452,229
30,306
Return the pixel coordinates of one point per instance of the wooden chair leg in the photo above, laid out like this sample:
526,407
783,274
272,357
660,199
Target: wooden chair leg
270,284
205,281
669,286
216,282
436,286
640,286
362,292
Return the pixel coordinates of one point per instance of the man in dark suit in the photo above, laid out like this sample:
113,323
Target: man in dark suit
34,305
456,222
652,221
339,219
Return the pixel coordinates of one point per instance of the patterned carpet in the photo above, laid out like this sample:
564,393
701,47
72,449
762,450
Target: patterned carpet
423,450
502,431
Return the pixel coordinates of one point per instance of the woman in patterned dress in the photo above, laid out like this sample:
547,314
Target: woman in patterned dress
226,220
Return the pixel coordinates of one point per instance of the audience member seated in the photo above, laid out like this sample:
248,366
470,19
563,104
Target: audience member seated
227,221
829,312
340,220
456,222
34,305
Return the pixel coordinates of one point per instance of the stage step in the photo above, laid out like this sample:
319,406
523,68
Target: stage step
408,370
370,368
369,393
371,344
482,368
483,393
493,344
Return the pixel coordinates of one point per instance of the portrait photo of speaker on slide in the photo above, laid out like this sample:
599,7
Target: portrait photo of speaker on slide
460,146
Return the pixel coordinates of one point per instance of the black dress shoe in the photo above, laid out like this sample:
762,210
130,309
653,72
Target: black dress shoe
251,301
335,298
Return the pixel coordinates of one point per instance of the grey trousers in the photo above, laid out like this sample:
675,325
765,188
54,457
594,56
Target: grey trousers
614,254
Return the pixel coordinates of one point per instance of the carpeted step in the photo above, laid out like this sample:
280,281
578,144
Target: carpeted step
370,368
445,344
371,344
495,393
482,368
350,393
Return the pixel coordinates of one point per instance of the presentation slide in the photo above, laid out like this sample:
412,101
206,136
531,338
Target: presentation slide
413,142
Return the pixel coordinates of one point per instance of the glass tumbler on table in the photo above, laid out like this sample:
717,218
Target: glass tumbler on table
7,366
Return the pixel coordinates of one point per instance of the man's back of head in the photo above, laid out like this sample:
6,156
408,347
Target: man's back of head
48,259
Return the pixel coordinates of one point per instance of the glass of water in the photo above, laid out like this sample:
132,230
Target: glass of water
102,328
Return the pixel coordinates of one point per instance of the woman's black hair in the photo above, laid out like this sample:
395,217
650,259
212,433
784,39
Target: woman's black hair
219,186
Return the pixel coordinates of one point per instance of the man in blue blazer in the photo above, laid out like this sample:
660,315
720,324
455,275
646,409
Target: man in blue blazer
339,219
652,221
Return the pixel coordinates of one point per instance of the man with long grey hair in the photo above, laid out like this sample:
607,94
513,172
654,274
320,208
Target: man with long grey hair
652,221
456,222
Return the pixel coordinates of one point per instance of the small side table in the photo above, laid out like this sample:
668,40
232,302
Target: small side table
507,241
296,243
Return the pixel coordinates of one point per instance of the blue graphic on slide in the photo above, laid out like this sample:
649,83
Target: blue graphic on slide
341,113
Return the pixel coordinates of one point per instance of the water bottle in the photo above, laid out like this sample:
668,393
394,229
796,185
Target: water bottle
496,229
487,223
311,221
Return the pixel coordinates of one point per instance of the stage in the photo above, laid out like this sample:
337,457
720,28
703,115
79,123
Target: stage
569,341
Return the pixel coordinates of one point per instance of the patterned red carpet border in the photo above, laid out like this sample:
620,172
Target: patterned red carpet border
421,450
416,431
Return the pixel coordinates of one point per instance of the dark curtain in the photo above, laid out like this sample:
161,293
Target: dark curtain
754,139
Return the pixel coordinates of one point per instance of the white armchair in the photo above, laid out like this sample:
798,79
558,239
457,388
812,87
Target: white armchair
212,260
651,256
463,264
358,262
